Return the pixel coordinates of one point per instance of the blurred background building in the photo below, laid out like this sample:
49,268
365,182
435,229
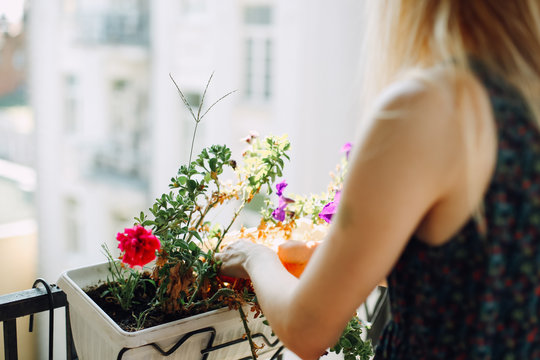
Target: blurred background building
18,229
92,128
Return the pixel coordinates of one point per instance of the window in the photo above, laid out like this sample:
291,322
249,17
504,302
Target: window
70,104
193,99
193,6
249,68
258,15
122,152
112,22
258,53
268,69
118,220
71,213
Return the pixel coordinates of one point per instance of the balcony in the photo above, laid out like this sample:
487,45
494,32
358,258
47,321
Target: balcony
114,28
118,161
29,302
45,297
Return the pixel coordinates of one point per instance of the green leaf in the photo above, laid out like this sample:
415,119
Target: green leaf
191,185
197,235
213,164
193,247
182,180
182,244
345,343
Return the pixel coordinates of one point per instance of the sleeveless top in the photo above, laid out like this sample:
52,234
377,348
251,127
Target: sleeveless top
478,295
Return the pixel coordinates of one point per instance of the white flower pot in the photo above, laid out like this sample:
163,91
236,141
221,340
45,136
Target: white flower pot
98,337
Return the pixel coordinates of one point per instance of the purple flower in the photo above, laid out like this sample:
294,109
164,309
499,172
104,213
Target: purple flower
280,187
279,212
346,149
330,209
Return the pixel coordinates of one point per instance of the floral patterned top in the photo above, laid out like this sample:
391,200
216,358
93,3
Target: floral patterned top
478,295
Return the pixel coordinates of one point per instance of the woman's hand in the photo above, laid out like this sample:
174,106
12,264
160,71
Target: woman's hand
236,257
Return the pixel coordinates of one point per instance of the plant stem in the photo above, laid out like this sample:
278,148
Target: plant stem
236,213
190,301
141,318
193,141
218,293
252,345
203,215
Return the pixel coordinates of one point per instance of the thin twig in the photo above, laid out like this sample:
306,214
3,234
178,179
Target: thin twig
184,100
218,100
206,302
204,95
193,143
203,215
235,215
252,345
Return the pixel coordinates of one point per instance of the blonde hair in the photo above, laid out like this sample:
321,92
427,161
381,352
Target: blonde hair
503,35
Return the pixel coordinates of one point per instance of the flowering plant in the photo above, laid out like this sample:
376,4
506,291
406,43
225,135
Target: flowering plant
183,280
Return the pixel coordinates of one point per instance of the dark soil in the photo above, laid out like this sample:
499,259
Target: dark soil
126,319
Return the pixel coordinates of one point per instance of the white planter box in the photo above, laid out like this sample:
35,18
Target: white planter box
98,337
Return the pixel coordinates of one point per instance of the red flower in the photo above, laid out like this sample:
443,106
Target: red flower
139,245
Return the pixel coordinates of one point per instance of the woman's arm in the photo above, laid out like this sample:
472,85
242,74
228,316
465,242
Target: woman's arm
402,165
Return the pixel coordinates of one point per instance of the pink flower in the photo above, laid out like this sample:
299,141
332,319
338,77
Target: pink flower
252,135
330,209
139,245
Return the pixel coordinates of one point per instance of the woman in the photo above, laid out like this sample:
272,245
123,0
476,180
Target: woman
442,196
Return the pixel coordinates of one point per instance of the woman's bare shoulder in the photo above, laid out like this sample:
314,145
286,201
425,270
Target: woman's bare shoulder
438,104
446,116
417,112
430,90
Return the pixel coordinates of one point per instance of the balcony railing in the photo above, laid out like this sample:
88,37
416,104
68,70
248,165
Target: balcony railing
26,303
45,297
114,28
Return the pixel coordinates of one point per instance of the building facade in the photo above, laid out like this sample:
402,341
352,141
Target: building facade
111,129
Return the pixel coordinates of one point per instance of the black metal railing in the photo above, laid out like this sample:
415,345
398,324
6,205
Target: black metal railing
49,297
379,315
27,303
